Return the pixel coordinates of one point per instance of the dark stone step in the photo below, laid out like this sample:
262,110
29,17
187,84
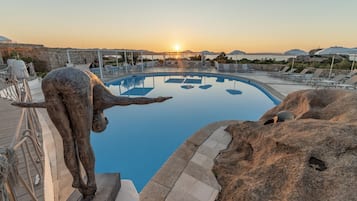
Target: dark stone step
108,186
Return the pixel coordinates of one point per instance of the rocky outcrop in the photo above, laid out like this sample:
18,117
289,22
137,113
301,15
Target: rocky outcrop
311,158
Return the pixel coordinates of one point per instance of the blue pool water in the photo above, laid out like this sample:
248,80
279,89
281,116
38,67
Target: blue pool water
140,138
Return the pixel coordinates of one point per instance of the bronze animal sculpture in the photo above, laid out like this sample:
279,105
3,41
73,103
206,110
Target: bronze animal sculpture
75,101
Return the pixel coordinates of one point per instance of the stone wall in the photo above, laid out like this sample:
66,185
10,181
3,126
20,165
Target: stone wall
44,58
36,52
58,57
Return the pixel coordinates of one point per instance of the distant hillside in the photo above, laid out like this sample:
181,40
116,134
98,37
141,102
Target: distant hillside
188,51
295,52
147,52
206,52
237,52
264,53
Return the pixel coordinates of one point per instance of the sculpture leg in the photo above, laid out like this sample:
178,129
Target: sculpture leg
80,109
86,152
59,116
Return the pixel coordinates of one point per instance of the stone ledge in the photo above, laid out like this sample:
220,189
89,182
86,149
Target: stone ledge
127,192
108,186
154,192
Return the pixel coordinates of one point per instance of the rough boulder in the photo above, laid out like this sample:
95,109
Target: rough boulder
311,158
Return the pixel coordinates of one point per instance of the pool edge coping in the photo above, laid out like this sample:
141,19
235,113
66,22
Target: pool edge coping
162,183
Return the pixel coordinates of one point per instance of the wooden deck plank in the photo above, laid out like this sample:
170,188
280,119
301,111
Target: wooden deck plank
9,118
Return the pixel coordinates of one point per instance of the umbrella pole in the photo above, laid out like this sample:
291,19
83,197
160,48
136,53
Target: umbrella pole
353,63
333,59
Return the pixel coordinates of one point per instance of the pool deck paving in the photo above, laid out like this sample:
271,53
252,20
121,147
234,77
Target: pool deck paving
187,174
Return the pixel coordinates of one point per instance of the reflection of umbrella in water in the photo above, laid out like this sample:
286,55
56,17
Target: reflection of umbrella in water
187,86
234,91
133,88
205,86
189,81
133,81
220,79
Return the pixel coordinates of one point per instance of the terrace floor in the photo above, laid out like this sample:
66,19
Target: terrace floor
9,123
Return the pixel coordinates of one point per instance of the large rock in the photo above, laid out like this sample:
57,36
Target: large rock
311,158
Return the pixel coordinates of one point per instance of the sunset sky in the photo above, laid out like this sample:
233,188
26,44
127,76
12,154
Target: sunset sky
164,25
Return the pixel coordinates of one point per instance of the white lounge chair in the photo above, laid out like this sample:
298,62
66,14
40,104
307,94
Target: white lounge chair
278,74
299,77
286,74
338,79
352,73
350,83
315,77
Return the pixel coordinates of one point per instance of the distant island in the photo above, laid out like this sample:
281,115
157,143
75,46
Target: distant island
295,52
237,52
265,53
206,52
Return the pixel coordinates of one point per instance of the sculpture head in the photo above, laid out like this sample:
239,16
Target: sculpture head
100,122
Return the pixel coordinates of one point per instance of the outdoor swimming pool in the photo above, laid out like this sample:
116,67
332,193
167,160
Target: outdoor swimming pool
140,138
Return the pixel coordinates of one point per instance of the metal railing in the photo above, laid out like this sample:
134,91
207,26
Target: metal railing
23,159
112,72
9,89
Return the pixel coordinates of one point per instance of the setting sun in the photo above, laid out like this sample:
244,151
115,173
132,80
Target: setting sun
177,47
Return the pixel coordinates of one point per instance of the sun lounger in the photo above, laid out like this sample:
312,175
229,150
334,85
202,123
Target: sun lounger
286,74
350,83
299,77
278,74
315,77
338,79
352,73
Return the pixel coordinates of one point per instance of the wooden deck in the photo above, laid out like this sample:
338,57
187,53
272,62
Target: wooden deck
9,120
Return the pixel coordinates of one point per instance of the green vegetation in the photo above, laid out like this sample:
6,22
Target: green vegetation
196,58
341,62
41,68
41,74
223,58
264,61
